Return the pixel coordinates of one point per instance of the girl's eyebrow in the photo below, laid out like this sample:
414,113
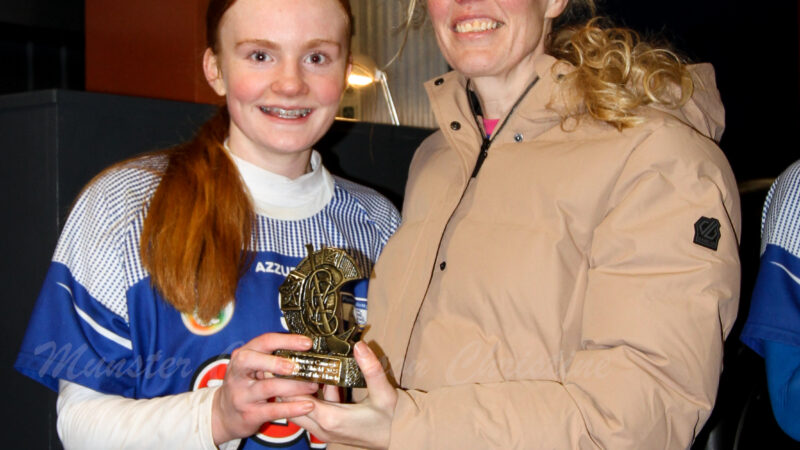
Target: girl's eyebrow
273,45
259,42
319,42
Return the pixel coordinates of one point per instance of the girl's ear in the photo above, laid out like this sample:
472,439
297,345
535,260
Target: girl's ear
555,8
348,70
213,73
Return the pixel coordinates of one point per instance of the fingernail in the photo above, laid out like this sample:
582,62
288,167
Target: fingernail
290,367
359,348
307,407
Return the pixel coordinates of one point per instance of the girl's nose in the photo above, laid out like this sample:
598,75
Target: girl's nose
290,81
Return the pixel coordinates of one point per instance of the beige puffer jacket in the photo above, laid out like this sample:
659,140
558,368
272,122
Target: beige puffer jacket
574,294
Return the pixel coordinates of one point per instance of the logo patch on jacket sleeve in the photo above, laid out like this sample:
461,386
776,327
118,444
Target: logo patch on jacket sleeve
706,232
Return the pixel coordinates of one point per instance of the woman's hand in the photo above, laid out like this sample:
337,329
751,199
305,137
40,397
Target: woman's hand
366,424
241,405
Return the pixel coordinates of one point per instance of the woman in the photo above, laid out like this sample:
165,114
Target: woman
150,289
567,266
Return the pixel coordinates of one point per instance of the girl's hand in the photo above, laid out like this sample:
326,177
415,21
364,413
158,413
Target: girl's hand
366,424
241,405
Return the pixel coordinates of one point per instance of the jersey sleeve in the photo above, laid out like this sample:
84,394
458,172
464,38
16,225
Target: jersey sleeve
79,330
783,382
378,212
87,418
775,305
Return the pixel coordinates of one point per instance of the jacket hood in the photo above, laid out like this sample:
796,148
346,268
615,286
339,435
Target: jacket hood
704,111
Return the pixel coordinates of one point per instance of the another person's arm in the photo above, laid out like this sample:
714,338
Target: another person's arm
773,324
783,381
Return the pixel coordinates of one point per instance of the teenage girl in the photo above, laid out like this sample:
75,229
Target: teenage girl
159,313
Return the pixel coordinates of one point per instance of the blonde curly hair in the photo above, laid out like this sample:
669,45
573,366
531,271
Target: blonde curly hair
616,71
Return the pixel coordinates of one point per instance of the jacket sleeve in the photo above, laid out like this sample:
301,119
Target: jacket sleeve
661,295
88,419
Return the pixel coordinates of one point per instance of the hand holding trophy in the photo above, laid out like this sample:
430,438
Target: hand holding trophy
310,300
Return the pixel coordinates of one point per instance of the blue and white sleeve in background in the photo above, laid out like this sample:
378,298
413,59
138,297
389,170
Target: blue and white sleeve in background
773,325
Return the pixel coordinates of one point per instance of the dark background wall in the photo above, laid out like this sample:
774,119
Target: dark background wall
41,45
753,46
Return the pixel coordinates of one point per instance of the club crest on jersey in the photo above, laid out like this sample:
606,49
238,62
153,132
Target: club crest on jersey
215,325
282,433
211,372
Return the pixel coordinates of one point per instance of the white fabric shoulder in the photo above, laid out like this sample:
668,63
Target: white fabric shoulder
90,419
100,240
781,216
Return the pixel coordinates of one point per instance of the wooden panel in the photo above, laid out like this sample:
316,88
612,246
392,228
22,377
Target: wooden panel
147,48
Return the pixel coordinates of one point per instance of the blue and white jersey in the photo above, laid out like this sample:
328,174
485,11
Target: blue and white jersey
100,323
775,308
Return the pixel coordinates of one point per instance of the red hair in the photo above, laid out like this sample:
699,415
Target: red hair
200,221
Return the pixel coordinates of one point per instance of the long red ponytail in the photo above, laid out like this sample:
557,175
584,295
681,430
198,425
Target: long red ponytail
199,225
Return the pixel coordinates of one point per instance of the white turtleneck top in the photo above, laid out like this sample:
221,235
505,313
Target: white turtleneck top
279,197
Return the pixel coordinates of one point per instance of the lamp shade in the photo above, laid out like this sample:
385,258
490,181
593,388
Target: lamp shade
363,71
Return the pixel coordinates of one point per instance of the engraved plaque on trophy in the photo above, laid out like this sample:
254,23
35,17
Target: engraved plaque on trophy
310,299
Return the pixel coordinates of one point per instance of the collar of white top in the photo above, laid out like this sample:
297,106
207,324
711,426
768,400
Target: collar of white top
282,198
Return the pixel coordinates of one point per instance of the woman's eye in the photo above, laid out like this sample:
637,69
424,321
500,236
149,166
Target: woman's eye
259,56
316,58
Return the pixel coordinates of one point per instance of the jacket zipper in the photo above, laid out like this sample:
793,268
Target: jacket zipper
474,106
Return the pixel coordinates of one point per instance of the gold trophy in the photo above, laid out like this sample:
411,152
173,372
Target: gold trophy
311,303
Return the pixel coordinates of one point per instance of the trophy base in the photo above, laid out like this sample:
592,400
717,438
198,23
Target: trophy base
328,369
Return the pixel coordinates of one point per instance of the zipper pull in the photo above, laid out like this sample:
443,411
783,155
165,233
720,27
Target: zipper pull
482,155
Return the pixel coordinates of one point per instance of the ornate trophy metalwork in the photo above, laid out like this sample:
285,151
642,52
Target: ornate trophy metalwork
311,303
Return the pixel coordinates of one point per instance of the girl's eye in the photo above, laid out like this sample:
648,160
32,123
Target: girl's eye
316,58
259,56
